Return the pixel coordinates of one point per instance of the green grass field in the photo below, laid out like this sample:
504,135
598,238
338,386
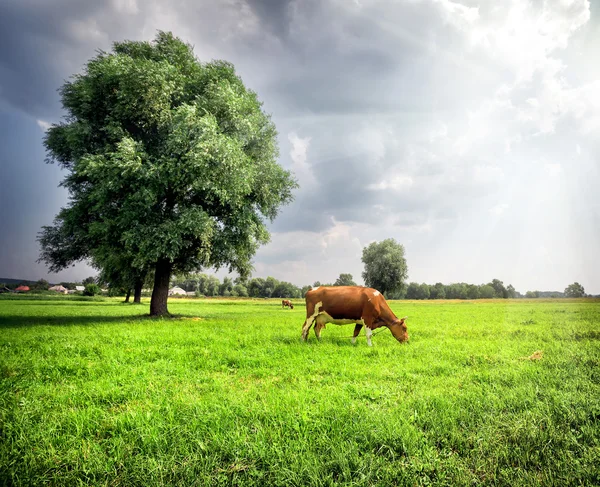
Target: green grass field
93,392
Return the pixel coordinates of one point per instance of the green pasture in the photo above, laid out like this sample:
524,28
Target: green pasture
94,392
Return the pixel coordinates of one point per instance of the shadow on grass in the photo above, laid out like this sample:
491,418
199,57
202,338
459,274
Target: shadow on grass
19,321
81,303
313,342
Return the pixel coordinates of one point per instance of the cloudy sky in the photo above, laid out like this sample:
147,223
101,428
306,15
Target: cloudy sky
469,131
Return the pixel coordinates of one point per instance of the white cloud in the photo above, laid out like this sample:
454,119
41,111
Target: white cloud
298,154
395,183
499,209
43,124
553,169
459,15
126,6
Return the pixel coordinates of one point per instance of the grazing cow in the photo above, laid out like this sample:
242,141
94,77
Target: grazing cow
287,302
343,305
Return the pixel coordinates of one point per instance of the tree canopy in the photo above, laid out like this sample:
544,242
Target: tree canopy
171,163
575,290
385,267
344,280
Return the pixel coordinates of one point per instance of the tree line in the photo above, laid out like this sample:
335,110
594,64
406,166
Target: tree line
258,287
209,285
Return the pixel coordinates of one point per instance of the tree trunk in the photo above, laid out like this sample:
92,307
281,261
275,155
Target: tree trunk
160,292
137,293
128,294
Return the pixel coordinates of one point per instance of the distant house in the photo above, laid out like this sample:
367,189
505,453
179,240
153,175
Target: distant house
80,288
22,289
191,293
176,290
59,289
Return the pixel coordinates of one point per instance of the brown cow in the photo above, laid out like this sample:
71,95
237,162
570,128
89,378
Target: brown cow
287,302
343,305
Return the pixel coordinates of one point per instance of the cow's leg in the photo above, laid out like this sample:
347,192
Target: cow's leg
356,332
319,325
369,334
306,328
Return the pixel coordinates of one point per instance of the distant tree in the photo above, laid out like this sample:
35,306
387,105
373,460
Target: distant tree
344,280
473,291
317,284
532,294
239,290
212,286
89,280
423,291
242,280
201,284
255,287
269,287
40,285
226,287
511,292
282,290
412,291
457,290
91,289
385,266
304,290
438,291
487,292
285,289
574,290
499,289
169,160
117,273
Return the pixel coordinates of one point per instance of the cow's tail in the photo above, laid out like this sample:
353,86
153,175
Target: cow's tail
311,314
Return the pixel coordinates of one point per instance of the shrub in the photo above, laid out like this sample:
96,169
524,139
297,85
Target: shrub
91,289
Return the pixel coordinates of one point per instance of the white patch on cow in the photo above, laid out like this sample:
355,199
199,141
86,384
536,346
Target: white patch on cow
310,320
376,293
369,334
315,288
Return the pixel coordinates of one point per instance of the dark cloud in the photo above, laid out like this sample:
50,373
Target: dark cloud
275,15
34,36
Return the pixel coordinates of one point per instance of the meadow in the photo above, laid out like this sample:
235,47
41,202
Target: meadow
501,392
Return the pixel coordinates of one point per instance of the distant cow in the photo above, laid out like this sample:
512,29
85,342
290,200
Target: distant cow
287,302
344,305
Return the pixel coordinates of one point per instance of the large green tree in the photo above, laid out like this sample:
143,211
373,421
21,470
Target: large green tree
385,266
170,161
574,290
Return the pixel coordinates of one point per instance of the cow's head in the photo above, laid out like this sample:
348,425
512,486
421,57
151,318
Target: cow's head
399,330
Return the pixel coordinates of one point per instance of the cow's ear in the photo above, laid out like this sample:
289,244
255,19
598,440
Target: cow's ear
403,319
